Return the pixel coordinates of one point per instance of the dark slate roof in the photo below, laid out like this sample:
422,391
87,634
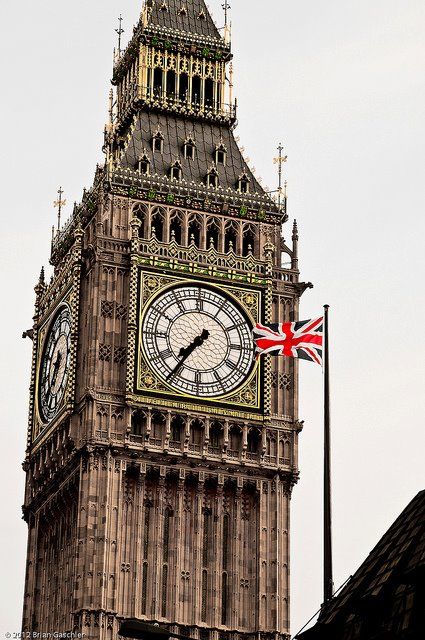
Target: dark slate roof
190,21
176,130
382,600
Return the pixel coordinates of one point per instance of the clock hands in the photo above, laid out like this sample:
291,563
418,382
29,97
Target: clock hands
185,352
56,366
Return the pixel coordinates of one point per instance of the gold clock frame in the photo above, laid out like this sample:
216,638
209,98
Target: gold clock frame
148,387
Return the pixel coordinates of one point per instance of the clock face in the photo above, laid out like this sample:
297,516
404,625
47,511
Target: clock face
55,365
198,341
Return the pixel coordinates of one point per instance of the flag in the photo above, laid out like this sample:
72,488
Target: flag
293,339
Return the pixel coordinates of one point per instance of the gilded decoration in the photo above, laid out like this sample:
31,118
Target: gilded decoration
245,398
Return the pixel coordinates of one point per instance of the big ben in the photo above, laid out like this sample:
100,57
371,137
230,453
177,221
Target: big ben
161,453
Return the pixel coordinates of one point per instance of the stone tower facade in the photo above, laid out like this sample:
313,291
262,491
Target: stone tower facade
161,455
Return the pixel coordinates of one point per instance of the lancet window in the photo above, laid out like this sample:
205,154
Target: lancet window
231,237
143,166
249,240
194,231
220,154
212,178
243,183
158,224
176,171
177,426
138,422
189,149
213,233
176,224
158,142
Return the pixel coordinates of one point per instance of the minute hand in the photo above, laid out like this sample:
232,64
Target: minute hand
185,352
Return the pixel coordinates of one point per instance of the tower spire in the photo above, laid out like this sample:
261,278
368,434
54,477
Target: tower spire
119,31
58,204
279,161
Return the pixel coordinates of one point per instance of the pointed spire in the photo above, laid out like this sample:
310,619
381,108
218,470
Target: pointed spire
294,262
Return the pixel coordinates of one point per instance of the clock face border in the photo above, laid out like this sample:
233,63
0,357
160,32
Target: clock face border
247,396
45,333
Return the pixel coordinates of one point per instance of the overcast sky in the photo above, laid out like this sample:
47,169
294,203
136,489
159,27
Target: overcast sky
341,84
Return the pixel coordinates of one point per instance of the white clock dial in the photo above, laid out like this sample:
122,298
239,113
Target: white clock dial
54,365
198,341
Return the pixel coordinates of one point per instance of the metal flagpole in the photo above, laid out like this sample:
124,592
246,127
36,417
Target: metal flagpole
327,511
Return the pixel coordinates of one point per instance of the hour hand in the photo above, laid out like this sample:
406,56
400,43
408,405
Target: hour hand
185,352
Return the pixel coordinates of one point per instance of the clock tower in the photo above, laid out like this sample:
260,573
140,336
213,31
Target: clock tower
161,454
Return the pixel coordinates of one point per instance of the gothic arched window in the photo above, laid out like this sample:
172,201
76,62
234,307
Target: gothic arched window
254,439
213,233
230,238
177,425
243,183
248,241
176,171
176,227
194,231
220,154
157,224
158,142
212,178
196,90
138,422
189,149
183,86
143,166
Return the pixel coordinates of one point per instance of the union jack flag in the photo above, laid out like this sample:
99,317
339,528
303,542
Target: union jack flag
293,339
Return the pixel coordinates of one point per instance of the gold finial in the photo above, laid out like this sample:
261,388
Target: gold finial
279,161
58,204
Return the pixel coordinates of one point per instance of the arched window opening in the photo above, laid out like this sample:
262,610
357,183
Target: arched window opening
176,171
171,83
230,239
212,178
235,439
213,232
157,82
220,154
158,142
157,222
138,422
143,166
248,242
184,86
176,229
209,92
196,90
194,231
139,212
242,184
158,425
196,433
254,439
177,426
216,435
189,149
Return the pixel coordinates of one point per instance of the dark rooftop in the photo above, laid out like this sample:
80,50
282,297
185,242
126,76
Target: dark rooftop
385,597
176,131
191,16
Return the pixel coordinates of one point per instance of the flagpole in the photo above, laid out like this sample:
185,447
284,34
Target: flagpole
327,511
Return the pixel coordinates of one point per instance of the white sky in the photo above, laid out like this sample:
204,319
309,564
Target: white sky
341,83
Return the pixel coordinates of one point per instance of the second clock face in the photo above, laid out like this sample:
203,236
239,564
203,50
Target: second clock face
54,365
198,341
